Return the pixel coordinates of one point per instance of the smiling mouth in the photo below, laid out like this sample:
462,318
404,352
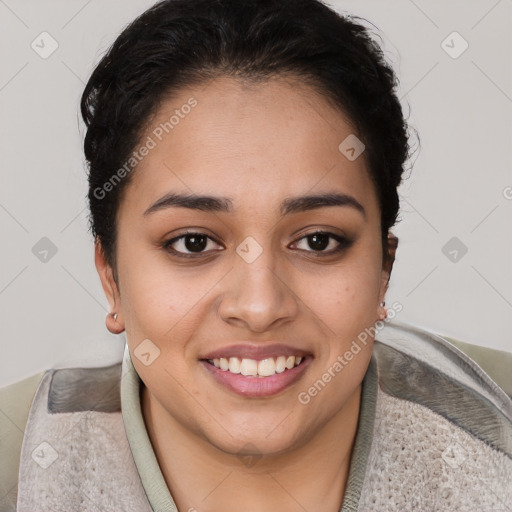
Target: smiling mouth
258,378
256,368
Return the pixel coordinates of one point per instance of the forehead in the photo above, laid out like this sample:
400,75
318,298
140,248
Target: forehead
254,142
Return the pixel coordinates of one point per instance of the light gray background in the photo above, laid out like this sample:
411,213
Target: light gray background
52,313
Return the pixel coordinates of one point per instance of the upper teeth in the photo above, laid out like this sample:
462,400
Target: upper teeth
263,368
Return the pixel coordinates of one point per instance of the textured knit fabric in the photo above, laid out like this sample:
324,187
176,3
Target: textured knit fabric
421,461
79,459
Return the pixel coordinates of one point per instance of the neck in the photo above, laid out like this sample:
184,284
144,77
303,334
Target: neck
202,478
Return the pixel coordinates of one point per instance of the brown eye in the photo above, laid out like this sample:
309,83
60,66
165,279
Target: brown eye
321,240
188,244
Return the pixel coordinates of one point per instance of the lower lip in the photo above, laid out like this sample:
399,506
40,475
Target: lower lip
253,386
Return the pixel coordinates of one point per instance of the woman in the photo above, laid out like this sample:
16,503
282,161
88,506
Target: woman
244,159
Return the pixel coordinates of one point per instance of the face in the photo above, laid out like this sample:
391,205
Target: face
255,272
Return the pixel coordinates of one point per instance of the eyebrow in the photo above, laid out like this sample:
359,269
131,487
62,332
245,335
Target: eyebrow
225,204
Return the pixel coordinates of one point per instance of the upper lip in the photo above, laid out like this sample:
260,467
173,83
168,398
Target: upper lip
257,352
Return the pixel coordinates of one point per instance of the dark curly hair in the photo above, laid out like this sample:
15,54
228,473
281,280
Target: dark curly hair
179,43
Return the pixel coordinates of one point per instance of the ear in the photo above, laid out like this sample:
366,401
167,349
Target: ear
388,258
115,326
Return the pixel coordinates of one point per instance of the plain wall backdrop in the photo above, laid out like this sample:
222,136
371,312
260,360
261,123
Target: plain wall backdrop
453,270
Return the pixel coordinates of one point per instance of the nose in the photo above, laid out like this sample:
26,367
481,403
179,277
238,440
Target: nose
258,295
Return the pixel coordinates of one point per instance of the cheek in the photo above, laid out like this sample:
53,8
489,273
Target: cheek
152,303
345,296
162,303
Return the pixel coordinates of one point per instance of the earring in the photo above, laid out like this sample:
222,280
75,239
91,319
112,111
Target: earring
384,315
112,324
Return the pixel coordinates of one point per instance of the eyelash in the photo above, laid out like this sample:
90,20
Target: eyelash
343,242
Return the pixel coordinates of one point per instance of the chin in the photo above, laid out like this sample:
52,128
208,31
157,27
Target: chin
258,447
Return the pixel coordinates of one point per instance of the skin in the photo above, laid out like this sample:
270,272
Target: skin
257,144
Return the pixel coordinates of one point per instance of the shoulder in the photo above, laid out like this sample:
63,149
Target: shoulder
68,390
496,363
15,402
442,423
422,367
418,351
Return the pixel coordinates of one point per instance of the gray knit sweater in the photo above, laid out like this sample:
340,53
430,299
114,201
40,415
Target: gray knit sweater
435,434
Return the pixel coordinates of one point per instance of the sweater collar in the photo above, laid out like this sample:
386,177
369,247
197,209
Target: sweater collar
151,475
